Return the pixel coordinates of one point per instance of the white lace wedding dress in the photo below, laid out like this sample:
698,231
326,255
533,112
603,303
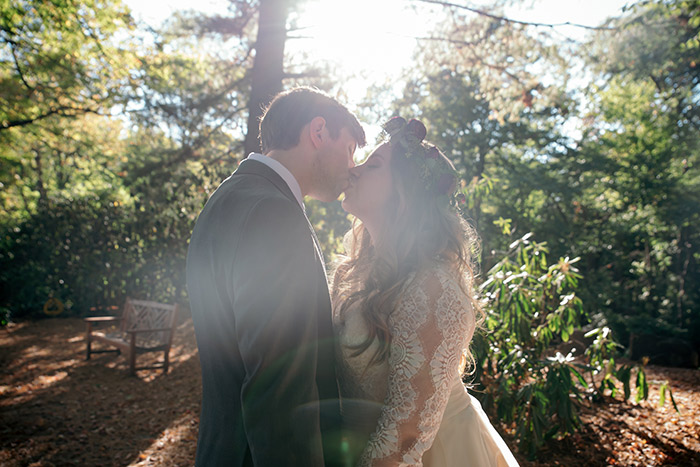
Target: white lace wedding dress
413,410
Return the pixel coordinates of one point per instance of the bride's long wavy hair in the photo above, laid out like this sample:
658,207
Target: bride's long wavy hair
420,226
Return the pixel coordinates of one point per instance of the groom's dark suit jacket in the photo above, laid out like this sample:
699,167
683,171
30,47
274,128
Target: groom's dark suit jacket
262,315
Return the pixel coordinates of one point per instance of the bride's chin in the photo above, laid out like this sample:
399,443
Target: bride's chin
344,205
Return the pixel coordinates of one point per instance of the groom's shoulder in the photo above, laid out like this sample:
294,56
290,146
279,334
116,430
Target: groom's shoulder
255,176
249,190
246,198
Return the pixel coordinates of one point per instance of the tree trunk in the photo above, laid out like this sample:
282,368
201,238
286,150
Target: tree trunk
268,70
41,188
480,167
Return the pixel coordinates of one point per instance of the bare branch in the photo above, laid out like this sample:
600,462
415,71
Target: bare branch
62,111
188,151
300,37
307,74
19,68
515,21
471,45
450,41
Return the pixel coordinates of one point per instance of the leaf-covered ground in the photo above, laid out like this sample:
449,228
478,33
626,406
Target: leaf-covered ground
57,409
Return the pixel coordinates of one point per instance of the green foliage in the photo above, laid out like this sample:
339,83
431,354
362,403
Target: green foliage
517,70
619,192
621,196
70,250
530,306
637,211
665,389
95,209
500,161
657,40
195,96
59,58
532,310
4,316
95,233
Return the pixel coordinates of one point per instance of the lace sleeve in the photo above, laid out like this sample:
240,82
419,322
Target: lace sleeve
430,328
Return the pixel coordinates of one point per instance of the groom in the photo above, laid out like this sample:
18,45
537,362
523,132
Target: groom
259,297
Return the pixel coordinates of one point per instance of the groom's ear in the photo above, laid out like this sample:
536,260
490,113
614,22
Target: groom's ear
317,132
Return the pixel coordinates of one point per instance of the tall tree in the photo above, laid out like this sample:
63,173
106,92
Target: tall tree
268,72
268,67
644,133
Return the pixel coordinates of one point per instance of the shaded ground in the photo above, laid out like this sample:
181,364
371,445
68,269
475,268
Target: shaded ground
57,409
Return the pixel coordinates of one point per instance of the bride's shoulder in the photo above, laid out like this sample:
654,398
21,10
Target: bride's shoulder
441,269
437,290
435,278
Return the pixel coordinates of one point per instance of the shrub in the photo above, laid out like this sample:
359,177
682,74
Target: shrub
531,308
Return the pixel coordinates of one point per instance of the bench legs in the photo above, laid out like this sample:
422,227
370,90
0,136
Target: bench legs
89,340
132,355
166,360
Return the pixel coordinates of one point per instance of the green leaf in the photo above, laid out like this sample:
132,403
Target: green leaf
623,375
642,385
673,401
662,393
578,376
611,386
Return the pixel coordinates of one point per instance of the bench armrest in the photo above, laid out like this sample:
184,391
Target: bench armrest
102,319
136,331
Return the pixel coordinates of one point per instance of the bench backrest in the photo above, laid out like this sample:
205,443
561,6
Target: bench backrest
143,315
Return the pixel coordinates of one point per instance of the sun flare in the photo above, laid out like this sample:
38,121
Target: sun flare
361,36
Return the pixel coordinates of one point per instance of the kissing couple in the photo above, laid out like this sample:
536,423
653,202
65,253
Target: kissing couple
368,372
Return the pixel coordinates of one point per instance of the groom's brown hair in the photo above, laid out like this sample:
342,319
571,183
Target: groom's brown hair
290,111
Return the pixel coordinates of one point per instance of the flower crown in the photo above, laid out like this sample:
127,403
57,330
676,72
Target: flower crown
438,177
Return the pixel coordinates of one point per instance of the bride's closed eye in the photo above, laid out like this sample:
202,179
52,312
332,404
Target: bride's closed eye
373,162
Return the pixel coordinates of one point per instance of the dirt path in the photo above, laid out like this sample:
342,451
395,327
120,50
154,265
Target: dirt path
57,409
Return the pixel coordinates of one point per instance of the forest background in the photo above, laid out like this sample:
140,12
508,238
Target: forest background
579,161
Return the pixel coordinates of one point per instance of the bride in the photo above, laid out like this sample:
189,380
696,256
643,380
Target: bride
404,313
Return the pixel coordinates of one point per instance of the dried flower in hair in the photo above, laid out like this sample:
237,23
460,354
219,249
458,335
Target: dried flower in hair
394,125
417,129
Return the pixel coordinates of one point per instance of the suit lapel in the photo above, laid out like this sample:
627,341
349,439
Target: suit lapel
319,250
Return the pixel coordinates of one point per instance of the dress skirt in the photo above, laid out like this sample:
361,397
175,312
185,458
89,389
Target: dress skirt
466,437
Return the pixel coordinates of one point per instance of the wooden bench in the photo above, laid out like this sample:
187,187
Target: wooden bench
143,327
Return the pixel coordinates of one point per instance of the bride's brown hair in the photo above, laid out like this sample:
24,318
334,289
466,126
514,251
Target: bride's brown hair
420,227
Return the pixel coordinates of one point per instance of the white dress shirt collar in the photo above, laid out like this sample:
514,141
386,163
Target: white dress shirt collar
283,172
